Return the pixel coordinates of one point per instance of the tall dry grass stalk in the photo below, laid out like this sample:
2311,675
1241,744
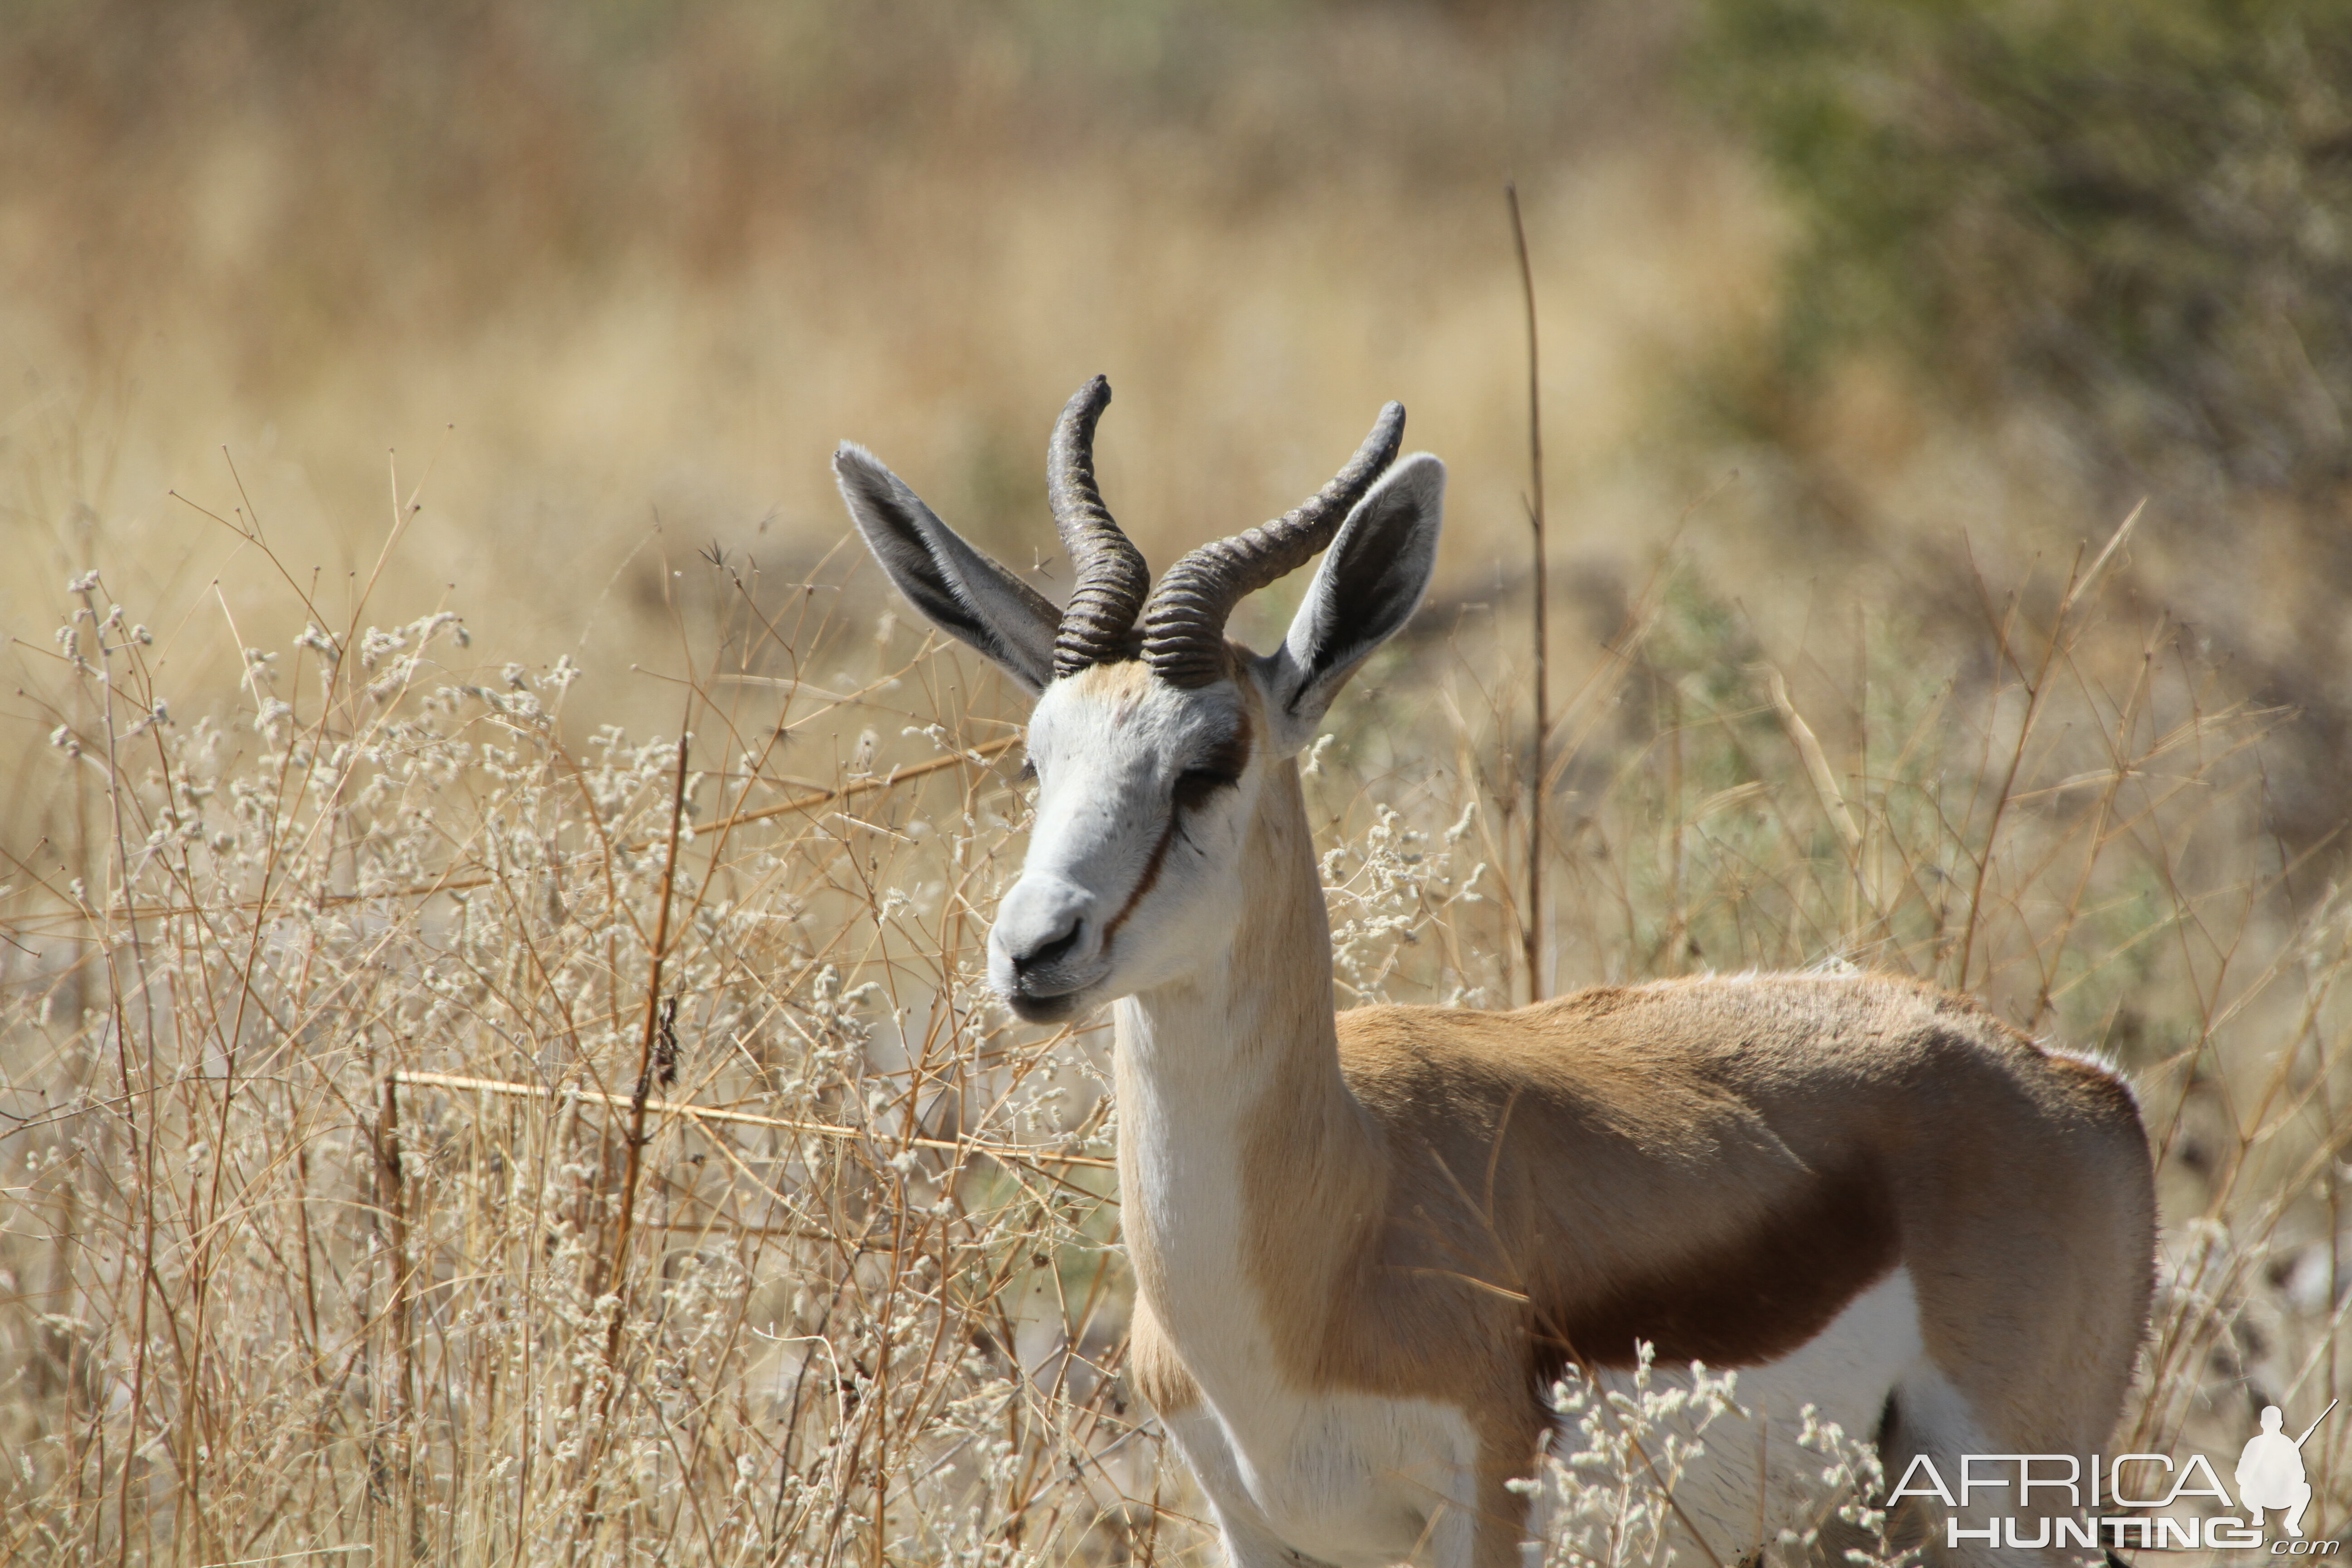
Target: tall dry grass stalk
435,1135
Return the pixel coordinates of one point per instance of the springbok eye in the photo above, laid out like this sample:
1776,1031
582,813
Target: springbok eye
1219,768
1028,771
1196,787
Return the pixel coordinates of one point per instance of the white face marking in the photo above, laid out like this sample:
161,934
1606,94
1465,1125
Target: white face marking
1145,793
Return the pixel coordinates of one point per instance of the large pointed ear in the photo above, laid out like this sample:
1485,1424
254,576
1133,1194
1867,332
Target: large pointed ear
1366,589
962,591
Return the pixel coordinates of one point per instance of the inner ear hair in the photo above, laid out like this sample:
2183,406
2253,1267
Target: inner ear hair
958,588
1369,581
1378,596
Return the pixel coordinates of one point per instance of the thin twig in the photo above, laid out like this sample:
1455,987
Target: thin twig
974,757
1825,786
616,1282
1531,928
1012,1153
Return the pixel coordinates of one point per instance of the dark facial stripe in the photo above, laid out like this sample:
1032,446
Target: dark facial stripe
1230,756
1142,884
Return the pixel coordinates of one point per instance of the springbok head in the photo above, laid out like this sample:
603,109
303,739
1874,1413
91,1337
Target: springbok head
1152,736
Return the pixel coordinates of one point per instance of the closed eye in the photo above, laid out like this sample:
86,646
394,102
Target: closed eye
1196,787
1221,768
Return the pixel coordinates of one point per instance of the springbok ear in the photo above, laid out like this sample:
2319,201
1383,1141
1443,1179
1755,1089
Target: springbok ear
1370,580
962,591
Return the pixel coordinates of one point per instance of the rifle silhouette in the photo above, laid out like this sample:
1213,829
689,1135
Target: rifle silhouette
2307,1431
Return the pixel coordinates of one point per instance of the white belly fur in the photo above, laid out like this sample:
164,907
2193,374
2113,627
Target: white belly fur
1845,1372
1354,1479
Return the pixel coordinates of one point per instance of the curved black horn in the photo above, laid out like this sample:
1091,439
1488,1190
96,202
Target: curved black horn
1184,623
1111,575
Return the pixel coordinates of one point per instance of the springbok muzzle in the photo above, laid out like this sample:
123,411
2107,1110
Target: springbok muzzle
1046,946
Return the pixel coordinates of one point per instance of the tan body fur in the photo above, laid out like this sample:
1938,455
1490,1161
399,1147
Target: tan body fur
1450,1205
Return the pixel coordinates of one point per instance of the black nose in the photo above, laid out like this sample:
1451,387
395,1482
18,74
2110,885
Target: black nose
1052,950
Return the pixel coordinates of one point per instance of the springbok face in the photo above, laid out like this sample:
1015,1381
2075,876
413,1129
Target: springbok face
1153,735
1145,792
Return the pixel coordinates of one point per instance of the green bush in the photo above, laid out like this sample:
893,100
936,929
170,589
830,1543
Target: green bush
2135,215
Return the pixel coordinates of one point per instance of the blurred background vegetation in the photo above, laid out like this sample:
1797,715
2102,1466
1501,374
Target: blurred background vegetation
2121,235
1889,288
1864,327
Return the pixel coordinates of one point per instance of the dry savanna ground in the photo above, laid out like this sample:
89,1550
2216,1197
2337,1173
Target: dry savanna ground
492,1061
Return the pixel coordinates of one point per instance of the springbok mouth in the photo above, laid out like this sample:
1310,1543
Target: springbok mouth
1031,1008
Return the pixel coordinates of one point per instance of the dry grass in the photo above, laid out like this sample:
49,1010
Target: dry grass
433,1136
345,1205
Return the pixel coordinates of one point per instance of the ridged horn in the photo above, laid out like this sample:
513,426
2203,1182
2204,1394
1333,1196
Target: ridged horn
1184,623
1111,575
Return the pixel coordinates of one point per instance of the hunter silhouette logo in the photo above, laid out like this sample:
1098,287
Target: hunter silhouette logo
2270,1471
2124,1499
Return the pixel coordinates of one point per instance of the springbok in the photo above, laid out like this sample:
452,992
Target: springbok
1366,1247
